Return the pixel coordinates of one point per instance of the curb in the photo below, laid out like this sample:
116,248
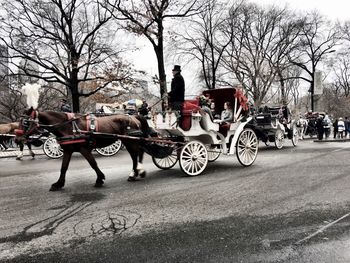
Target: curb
333,140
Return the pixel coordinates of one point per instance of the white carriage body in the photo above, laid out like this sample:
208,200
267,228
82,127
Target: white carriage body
202,127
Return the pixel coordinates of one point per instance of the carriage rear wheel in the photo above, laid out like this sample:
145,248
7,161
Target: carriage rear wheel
110,150
279,139
295,135
213,153
166,162
193,158
247,147
52,149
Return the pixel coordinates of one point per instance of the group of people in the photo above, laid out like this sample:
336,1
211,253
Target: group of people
324,126
341,128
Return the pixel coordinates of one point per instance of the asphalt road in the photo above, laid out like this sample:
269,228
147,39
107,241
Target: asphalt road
291,205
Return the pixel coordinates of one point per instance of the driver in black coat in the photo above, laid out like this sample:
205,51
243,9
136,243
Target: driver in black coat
177,93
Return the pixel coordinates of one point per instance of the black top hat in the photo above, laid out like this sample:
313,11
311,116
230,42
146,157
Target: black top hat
177,68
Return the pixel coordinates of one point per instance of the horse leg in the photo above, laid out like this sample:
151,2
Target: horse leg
90,158
64,167
141,172
21,147
133,154
30,150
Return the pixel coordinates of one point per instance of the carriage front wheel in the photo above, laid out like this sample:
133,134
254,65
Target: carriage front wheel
166,162
110,150
247,147
52,149
213,153
295,135
279,139
193,158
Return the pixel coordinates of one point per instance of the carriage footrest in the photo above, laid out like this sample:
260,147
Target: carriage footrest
72,139
135,133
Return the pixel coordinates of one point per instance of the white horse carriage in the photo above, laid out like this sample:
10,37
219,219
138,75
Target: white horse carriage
194,138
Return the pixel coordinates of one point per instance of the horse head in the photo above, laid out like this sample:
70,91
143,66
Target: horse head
28,124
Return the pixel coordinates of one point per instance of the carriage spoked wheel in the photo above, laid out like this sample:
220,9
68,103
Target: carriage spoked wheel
166,162
193,158
213,153
279,139
110,150
295,135
52,149
247,147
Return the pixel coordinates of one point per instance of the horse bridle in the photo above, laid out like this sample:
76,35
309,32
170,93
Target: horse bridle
27,128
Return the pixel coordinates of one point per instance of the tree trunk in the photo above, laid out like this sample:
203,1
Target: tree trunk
284,100
74,90
161,69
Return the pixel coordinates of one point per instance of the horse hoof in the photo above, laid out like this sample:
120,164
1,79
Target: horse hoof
99,184
142,174
131,179
55,187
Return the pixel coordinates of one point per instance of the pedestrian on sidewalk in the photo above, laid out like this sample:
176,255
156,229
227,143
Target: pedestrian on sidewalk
341,127
347,127
335,128
319,127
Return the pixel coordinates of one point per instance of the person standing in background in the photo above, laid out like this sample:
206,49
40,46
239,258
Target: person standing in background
64,106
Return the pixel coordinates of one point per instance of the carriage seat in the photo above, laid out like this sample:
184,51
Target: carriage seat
207,123
189,106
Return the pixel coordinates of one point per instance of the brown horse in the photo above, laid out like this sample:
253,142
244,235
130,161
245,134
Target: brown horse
83,133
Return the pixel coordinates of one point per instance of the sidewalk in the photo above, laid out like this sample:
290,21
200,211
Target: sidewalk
13,152
333,140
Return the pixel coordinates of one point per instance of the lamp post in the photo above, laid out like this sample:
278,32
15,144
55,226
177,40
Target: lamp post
314,62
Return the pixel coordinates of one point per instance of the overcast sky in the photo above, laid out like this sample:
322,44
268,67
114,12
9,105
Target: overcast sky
334,9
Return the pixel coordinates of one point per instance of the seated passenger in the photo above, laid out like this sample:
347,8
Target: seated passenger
204,103
226,114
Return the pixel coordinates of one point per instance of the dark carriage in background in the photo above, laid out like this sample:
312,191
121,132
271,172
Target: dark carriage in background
274,124
311,129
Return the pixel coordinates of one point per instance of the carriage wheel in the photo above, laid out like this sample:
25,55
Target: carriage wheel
193,158
110,150
247,147
167,162
295,136
213,153
279,139
52,149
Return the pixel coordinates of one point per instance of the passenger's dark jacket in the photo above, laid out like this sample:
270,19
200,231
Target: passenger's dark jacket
177,93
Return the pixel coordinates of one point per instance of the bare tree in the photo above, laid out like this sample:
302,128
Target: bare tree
259,44
203,40
66,42
147,17
318,38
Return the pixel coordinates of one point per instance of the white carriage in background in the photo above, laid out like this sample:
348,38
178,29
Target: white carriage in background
195,138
